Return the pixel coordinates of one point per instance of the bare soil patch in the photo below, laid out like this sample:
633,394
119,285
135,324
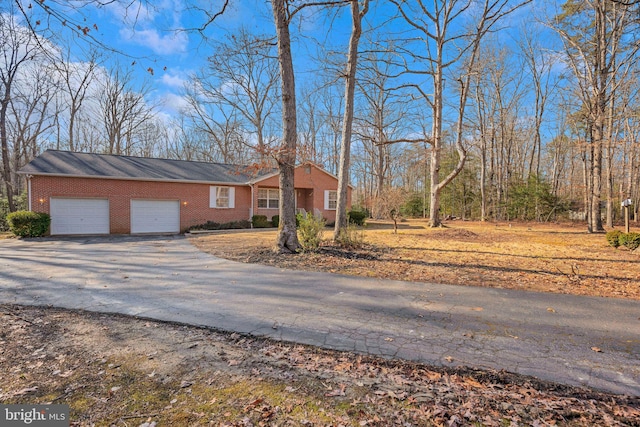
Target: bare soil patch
560,258
120,371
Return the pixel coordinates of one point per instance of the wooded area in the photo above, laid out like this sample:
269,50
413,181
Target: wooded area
466,108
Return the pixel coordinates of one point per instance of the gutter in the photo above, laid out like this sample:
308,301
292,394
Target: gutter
141,179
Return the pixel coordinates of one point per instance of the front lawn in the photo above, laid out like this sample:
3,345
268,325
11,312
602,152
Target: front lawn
561,258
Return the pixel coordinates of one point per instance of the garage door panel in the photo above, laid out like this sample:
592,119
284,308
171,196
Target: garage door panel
79,216
155,216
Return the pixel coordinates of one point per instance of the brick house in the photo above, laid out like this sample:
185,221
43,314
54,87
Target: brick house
87,193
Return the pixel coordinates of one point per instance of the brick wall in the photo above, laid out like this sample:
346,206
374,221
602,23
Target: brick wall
312,182
194,198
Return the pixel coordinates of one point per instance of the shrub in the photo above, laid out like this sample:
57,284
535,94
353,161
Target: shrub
21,205
275,220
613,237
28,224
414,206
260,221
357,217
630,240
310,231
235,225
211,225
351,237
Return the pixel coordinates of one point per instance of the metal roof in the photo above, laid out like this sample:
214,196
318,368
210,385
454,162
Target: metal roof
91,165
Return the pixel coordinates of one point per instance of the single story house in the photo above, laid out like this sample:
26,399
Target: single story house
88,193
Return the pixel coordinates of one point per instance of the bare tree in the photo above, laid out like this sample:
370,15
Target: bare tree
383,116
76,80
287,241
215,132
389,205
17,47
123,111
357,13
32,112
539,64
600,55
242,76
448,43
503,141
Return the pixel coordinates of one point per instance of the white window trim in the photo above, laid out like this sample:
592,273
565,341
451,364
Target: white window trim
326,200
269,190
213,197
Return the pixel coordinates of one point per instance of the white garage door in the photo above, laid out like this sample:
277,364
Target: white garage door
155,216
79,216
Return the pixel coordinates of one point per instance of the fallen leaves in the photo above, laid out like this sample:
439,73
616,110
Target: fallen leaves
338,391
275,384
25,391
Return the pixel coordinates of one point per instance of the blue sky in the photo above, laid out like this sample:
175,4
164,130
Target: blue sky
159,35
154,39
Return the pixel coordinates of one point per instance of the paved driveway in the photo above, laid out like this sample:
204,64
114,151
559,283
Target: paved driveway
549,336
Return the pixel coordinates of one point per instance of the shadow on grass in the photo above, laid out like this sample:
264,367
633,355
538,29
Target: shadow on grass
540,257
490,268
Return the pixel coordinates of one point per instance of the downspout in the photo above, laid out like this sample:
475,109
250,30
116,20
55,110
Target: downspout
29,190
251,209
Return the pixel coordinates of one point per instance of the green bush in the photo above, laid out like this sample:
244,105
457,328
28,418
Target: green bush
21,205
630,240
310,231
211,225
357,217
260,221
28,224
275,220
414,206
613,237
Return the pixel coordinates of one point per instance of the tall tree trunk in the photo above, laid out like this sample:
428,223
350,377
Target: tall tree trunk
436,145
347,123
610,152
586,180
483,180
287,241
599,120
4,143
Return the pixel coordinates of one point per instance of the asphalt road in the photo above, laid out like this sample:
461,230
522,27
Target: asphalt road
584,341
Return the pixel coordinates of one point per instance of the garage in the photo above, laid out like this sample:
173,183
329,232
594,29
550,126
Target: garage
79,216
155,216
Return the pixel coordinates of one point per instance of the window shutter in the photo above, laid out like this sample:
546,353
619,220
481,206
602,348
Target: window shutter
232,197
213,194
326,199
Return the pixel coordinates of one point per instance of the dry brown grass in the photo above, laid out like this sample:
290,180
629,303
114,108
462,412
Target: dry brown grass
561,258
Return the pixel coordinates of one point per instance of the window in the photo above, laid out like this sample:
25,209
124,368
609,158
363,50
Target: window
268,198
330,199
221,197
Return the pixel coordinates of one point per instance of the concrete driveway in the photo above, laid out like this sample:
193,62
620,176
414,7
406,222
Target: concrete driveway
549,336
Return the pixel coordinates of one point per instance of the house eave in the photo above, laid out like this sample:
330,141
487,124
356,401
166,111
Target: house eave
142,179
271,175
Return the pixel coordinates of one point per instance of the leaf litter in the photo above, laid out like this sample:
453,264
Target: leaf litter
112,380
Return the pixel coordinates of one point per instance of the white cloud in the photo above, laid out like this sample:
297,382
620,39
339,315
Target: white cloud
173,103
131,13
167,44
173,80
